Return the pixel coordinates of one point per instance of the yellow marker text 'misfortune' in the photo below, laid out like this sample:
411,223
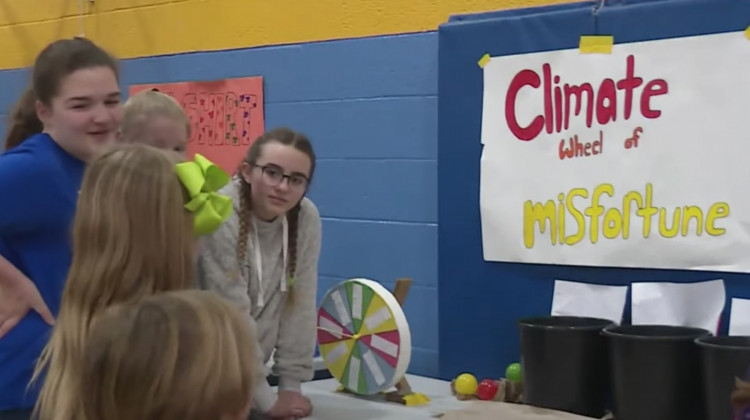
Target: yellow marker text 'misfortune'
595,221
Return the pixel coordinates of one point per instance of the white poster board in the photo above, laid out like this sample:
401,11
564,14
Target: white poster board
636,158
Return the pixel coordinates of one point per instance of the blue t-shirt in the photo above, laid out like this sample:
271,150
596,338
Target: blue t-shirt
39,184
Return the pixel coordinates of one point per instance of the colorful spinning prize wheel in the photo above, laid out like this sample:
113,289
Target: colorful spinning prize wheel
363,336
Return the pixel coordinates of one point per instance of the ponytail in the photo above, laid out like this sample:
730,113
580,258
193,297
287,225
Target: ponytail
23,122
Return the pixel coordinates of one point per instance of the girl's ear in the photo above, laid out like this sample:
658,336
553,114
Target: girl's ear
246,172
43,112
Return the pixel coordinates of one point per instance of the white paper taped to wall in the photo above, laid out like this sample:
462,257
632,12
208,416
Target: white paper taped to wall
696,305
739,317
589,300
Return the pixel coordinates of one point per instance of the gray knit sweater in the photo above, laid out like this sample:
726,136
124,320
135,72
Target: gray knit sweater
289,329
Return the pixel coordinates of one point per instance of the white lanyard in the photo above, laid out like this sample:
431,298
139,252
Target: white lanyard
259,259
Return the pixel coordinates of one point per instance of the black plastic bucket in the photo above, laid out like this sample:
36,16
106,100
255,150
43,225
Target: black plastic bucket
564,363
724,359
656,372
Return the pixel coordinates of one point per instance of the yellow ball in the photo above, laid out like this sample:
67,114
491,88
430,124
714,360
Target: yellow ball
466,384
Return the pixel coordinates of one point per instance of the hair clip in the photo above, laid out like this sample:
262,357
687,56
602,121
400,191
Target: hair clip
202,179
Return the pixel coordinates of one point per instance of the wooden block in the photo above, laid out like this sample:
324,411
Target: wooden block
401,290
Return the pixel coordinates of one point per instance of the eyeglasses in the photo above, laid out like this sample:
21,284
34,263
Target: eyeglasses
273,175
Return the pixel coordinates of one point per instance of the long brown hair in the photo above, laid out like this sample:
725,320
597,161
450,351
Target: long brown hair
184,355
132,237
58,60
22,120
286,137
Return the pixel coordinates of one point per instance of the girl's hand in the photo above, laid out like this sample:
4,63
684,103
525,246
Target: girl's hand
290,405
17,297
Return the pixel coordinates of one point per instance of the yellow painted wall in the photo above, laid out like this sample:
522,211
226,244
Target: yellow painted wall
136,28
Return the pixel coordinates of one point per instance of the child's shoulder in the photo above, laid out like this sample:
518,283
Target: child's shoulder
309,219
31,161
31,148
308,212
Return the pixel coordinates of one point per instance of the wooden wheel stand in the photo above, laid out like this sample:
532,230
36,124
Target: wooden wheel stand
403,393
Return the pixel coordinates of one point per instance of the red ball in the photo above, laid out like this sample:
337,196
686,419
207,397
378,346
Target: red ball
487,389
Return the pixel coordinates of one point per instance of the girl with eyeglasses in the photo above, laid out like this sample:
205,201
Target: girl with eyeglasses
265,260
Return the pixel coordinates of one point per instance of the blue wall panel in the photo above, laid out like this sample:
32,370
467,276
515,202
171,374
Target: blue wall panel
402,65
405,126
12,82
382,249
480,302
370,107
378,189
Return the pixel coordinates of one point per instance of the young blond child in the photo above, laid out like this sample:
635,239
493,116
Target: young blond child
183,355
132,236
156,119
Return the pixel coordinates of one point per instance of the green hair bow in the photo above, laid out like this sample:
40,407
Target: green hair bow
202,179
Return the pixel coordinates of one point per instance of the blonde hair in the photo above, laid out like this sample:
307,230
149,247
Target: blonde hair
741,393
132,237
173,356
145,105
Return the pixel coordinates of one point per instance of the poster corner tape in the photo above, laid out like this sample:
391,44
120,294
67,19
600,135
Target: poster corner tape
484,60
596,44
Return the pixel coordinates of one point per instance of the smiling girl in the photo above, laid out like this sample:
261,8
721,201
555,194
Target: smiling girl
265,259
76,103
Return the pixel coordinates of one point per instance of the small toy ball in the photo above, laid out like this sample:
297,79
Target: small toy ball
513,372
466,384
487,389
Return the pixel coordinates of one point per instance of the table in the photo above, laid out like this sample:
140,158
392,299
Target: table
331,405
